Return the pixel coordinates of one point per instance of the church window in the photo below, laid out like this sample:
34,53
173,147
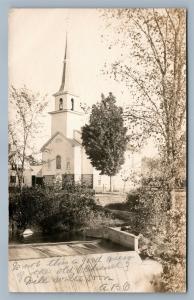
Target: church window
58,162
60,104
72,104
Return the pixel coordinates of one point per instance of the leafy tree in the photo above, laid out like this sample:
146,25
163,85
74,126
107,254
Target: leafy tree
25,108
104,138
152,65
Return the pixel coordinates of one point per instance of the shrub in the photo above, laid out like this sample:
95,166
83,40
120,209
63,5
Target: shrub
49,208
31,206
133,201
174,256
163,232
150,202
76,205
170,251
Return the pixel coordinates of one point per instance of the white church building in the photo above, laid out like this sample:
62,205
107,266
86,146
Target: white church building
63,155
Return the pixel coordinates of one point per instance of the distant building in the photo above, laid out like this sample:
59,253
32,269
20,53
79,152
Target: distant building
32,174
14,168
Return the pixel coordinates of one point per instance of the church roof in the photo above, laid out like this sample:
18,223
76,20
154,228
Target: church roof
72,141
77,136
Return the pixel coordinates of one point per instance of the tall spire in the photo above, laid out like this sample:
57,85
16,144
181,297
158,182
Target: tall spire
65,86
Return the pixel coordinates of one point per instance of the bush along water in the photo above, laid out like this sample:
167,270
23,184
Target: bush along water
49,209
162,231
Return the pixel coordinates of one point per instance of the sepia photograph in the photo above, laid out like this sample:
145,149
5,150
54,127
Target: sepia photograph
97,168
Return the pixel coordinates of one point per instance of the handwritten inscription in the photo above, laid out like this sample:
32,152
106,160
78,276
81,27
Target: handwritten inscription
115,272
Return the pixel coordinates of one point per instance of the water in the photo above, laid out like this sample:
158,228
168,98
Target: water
38,237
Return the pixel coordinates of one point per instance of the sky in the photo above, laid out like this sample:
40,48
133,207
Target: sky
36,50
37,45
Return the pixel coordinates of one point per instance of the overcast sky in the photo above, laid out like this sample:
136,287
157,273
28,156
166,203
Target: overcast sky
37,45
36,51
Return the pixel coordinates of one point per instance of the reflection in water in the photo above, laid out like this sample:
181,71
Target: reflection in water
39,237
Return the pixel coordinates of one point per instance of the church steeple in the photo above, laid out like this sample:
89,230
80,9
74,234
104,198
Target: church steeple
65,76
67,85
66,117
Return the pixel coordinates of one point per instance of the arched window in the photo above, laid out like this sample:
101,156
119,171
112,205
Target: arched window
72,104
58,162
60,104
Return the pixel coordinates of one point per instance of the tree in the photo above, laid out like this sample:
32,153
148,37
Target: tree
25,109
152,64
104,138
125,175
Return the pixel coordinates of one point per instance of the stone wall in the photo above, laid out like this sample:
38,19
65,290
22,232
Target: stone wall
122,237
115,235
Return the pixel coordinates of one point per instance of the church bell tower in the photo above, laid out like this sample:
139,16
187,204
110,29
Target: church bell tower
66,117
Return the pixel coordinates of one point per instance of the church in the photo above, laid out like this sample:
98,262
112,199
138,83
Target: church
63,155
